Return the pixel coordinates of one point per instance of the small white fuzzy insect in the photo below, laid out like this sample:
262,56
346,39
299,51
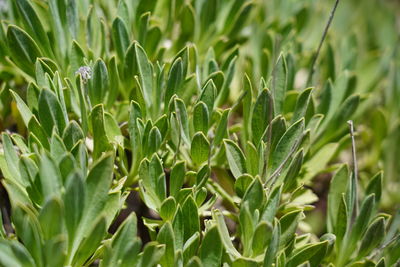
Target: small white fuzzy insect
85,72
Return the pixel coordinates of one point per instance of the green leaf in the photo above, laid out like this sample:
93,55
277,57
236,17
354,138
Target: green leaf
74,199
180,109
202,176
242,183
72,134
152,254
162,125
187,21
254,196
302,104
381,263
16,192
194,262
28,171
98,183
211,248
130,64
145,70
125,246
91,242
134,133
224,234
331,100
76,57
208,14
191,246
208,95
177,225
13,253
32,96
59,22
177,178
32,22
50,177
41,69
57,148
114,82
247,103
143,27
241,17
278,129
200,118
272,205
342,115
262,237
166,236
246,228
153,178
191,223
235,157
50,112
100,141
20,142
67,164
82,103
99,83
341,222
319,256
55,251
174,82
23,49
222,127
23,109
337,188
168,208
154,141
50,218
253,159
287,143
306,254
28,230
176,133
273,247
263,112
290,180
231,16
361,221
375,187
372,237
225,90
36,129
200,148
11,158
289,224
113,131
154,36
120,37
279,80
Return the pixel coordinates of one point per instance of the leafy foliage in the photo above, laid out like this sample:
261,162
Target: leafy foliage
201,112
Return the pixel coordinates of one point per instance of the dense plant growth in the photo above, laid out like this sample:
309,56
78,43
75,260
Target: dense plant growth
220,123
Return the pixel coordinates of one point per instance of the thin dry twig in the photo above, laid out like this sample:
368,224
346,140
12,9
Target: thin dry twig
328,24
355,167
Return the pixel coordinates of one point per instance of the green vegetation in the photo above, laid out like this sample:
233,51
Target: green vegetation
199,133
